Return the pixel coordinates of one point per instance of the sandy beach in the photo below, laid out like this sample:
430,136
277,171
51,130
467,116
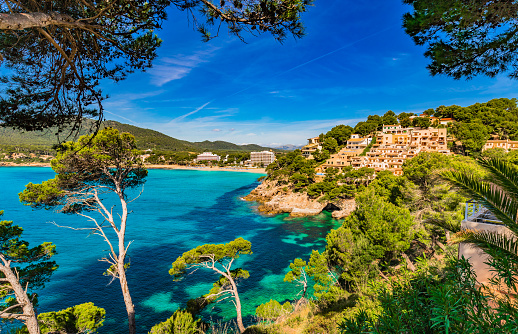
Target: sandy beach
33,164
214,168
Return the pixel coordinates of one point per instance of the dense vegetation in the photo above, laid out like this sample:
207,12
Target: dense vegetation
388,268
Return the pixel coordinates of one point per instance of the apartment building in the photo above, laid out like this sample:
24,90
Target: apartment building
507,145
443,121
392,147
354,147
265,158
431,139
358,143
312,146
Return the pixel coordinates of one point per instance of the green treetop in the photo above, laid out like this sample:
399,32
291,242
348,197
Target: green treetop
22,271
218,258
465,38
87,171
57,52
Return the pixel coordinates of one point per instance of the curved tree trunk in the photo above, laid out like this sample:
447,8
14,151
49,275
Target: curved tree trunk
28,317
239,316
130,308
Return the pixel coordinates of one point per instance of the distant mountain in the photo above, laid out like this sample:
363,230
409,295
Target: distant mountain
288,147
226,146
146,139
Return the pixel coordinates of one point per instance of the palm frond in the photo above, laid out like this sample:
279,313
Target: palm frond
448,225
503,174
494,244
489,195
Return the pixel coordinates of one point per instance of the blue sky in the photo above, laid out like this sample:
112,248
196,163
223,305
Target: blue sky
354,61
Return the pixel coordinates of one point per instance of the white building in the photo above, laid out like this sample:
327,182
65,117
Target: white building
208,156
264,157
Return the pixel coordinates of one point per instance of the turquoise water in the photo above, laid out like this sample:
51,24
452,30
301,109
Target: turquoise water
178,210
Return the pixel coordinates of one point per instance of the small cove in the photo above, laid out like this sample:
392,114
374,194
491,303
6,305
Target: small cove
178,210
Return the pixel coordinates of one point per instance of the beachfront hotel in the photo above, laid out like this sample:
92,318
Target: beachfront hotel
264,157
208,156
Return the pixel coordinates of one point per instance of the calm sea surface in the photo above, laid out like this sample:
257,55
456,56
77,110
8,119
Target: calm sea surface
178,210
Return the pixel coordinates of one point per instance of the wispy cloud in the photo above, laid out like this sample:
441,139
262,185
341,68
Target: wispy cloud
173,68
264,131
123,105
179,118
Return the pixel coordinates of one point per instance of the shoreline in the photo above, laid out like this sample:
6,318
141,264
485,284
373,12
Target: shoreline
212,169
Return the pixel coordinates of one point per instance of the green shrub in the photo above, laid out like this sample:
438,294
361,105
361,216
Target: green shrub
83,318
272,310
181,322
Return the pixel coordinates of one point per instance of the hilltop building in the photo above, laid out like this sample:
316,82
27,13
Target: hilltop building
355,146
313,145
207,156
397,144
393,146
264,157
507,145
443,121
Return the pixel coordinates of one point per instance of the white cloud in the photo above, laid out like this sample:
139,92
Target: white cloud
126,104
174,68
266,132
162,74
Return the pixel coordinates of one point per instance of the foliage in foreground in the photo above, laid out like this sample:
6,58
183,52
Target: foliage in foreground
87,172
23,270
218,258
438,301
272,310
181,322
82,318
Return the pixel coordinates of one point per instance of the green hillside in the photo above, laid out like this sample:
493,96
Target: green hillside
226,146
146,139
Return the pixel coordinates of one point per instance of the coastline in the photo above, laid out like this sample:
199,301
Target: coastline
34,164
214,169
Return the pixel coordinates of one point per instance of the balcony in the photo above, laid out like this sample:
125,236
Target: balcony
476,212
479,218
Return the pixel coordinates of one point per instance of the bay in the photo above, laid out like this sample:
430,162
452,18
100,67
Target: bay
177,210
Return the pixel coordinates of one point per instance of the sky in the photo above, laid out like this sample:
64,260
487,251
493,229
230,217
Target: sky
355,60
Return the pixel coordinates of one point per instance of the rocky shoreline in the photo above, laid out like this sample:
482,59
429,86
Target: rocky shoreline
277,199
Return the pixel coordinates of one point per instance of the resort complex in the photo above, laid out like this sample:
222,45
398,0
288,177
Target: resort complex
392,146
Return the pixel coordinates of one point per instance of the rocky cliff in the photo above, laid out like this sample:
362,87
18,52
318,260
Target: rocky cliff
275,198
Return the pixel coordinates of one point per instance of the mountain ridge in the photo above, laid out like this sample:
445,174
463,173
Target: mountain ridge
145,138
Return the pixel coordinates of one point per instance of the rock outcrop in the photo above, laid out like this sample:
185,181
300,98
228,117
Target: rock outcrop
277,199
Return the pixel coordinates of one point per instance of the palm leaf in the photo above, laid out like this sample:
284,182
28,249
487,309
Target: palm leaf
504,174
489,195
447,225
494,244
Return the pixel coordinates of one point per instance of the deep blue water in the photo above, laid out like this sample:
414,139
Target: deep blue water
178,210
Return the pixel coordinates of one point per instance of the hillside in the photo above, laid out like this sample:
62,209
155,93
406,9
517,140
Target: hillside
146,139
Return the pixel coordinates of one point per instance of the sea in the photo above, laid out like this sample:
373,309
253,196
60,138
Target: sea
175,211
